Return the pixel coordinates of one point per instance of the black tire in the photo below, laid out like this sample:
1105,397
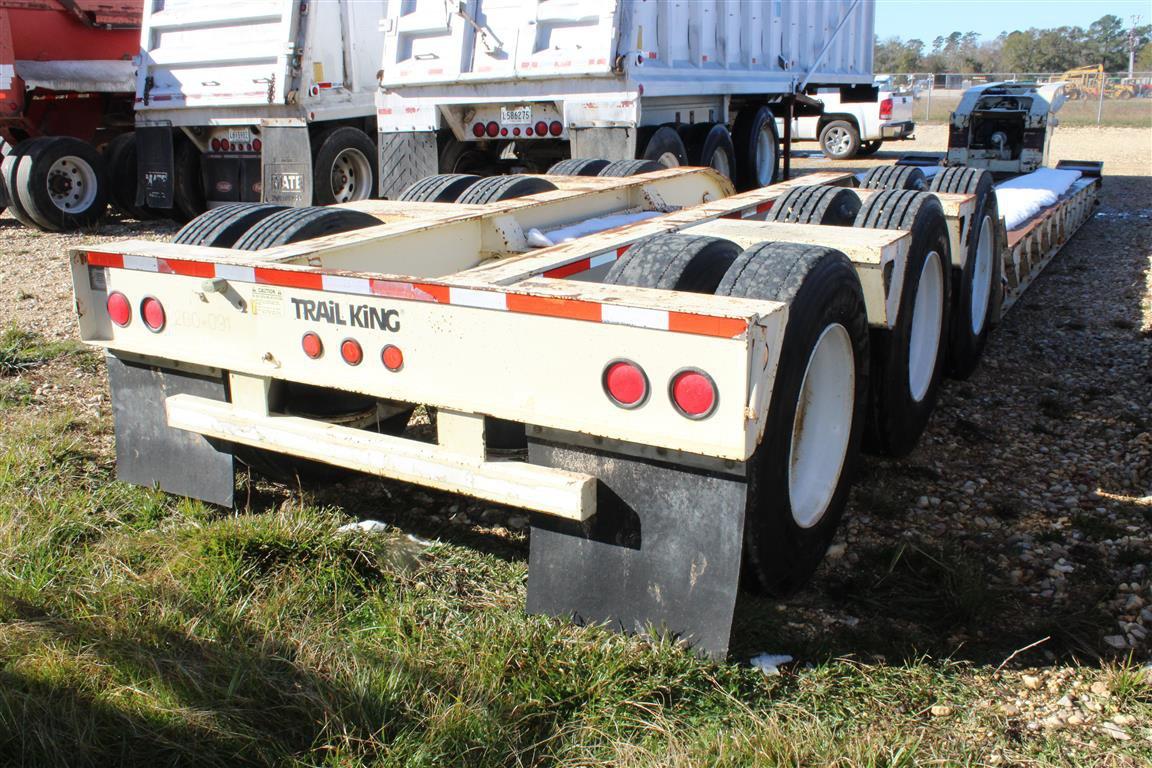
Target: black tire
464,157
441,188
664,146
120,157
788,525
869,148
497,188
188,200
579,166
62,184
343,166
839,140
692,263
222,227
904,390
710,146
623,168
833,206
977,285
753,136
293,225
8,171
894,177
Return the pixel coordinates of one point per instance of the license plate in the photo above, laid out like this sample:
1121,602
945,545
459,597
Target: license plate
516,115
241,135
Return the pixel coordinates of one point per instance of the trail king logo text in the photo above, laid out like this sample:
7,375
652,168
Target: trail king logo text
357,315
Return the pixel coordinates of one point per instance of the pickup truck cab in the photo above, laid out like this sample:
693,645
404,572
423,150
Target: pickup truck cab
854,123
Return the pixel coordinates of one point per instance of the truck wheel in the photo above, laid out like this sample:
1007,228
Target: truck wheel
799,476
292,225
691,263
120,157
4,150
869,148
839,140
441,188
222,227
188,187
578,166
908,359
8,171
664,146
623,168
894,177
835,206
466,157
343,166
497,188
977,283
62,184
710,146
757,148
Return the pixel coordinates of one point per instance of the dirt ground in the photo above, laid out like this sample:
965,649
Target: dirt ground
1031,491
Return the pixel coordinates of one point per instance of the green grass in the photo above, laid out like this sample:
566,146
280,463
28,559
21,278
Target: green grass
22,350
141,629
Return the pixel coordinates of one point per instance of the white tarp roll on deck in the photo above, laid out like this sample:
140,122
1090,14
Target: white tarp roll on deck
1025,196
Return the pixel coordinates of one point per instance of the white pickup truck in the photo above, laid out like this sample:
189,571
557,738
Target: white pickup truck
855,121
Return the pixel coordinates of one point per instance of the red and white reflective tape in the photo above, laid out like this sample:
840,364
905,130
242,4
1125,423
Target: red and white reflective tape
751,212
498,300
585,264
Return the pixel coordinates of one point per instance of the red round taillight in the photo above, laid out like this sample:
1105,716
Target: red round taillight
119,309
503,131
528,131
312,345
392,357
256,145
493,129
541,128
693,392
215,145
152,313
351,352
625,384
478,130
515,131
555,128
225,144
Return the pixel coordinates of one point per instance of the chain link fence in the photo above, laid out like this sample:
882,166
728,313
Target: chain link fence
1094,97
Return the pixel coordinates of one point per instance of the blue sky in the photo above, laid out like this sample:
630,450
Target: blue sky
925,19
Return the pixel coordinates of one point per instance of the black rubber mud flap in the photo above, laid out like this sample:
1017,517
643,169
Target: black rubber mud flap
155,167
152,454
286,162
662,553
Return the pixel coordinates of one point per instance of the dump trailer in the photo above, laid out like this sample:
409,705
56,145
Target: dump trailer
65,100
674,379
493,87
257,100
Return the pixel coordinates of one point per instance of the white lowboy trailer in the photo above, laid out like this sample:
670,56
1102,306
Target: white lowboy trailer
677,400
491,84
250,100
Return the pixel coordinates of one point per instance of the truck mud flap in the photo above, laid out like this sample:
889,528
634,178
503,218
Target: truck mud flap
155,167
286,163
153,454
405,158
661,554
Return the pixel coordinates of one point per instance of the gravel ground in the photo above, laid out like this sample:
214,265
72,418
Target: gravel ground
1022,520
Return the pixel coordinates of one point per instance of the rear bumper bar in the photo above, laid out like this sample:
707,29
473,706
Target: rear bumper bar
898,131
558,492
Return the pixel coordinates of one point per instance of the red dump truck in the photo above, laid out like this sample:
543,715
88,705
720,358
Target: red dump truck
66,85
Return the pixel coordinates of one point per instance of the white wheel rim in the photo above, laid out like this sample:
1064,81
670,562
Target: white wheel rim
669,160
72,184
836,141
927,322
822,426
765,155
982,276
720,164
351,176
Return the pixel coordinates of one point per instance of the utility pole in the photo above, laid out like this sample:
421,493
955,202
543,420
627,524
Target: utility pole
1132,45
